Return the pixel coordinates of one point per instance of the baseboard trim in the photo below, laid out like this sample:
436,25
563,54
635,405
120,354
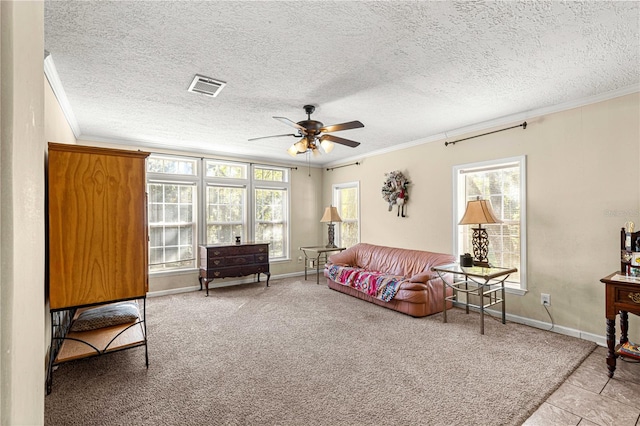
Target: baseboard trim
554,328
246,280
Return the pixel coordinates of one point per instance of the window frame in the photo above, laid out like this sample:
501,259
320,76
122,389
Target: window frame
202,183
225,182
335,191
285,185
459,205
176,179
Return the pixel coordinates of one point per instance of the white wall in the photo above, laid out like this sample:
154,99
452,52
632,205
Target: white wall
22,159
581,167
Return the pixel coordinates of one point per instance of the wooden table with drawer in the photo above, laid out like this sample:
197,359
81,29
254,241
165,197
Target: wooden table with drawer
622,296
238,260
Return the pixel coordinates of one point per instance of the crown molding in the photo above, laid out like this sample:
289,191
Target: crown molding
189,151
56,85
501,121
51,73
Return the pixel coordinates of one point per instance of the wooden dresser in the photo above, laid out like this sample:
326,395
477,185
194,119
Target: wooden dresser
238,260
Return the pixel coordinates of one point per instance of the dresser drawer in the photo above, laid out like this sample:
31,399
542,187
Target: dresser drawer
225,272
254,269
246,259
626,295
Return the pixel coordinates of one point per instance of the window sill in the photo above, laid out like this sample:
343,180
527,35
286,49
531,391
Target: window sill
173,272
516,291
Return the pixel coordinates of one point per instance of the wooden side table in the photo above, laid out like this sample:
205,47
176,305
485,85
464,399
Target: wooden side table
315,254
622,296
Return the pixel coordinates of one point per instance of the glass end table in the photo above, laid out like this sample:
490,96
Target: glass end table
487,283
316,254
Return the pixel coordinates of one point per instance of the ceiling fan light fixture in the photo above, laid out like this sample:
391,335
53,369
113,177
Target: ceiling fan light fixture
327,146
314,135
302,145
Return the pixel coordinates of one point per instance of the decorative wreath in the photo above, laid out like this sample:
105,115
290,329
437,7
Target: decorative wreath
394,190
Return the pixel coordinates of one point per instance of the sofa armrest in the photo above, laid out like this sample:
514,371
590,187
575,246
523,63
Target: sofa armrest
413,286
344,258
423,277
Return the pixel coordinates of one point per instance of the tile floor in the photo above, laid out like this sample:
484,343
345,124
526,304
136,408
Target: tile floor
589,397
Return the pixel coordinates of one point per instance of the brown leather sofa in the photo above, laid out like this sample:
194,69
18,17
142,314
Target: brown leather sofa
420,291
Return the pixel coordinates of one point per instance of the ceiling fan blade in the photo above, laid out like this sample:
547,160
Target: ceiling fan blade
288,122
274,136
341,141
343,126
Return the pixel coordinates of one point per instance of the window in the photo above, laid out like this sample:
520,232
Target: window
231,203
171,185
225,214
346,198
503,183
226,202
271,209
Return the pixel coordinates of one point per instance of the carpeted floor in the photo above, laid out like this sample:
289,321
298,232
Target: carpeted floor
298,353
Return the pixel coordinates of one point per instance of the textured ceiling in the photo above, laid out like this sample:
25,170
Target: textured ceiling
407,70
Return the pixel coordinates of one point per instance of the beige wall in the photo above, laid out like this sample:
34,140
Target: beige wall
56,129
22,213
581,165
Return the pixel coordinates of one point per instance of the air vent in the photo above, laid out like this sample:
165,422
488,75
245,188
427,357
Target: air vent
206,85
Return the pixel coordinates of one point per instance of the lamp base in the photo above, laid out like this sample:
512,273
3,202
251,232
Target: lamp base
331,237
480,243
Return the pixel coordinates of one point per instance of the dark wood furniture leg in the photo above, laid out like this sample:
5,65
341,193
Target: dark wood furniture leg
268,274
624,327
611,345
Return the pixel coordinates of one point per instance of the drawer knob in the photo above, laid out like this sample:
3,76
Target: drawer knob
635,297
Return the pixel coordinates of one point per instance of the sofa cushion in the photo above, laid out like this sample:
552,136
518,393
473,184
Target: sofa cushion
413,264
376,284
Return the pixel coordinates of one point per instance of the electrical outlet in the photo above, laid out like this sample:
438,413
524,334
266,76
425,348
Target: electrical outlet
545,299
299,259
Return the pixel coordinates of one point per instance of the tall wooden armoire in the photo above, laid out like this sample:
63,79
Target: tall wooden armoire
97,225
97,251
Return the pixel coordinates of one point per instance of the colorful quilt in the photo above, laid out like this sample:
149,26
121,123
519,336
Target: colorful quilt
376,284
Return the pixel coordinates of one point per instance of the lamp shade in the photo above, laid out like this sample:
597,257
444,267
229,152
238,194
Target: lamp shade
327,146
478,212
330,215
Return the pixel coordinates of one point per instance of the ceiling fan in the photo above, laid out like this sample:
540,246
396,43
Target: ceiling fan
313,134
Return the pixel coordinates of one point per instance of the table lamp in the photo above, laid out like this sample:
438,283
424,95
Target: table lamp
331,215
479,211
